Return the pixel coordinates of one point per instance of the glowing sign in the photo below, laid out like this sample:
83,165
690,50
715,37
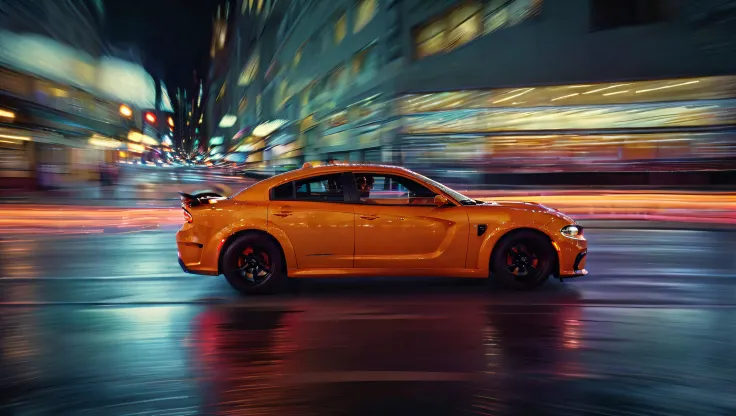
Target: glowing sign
267,128
228,120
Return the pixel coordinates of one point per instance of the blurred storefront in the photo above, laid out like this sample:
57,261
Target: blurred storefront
33,159
609,127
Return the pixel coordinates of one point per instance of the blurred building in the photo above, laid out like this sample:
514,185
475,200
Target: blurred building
76,23
68,100
488,86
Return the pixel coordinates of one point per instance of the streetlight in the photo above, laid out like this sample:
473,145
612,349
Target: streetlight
171,122
125,111
150,117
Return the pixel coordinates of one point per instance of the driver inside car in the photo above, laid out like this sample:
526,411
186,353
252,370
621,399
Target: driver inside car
364,185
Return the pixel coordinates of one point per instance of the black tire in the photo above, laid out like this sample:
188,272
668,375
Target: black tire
509,271
251,248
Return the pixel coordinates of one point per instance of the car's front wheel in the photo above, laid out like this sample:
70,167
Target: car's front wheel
253,264
523,260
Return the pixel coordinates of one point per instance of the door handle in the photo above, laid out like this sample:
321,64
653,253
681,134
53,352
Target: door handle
282,214
369,217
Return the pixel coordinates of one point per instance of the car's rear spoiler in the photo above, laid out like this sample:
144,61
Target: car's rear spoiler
200,198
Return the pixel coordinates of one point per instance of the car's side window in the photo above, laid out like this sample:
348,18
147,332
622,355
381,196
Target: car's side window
283,192
320,188
391,190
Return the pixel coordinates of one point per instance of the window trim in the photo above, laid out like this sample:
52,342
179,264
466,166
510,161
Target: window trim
354,197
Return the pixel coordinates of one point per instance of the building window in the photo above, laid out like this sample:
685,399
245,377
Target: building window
430,40
364,65
282,95
610,15
222,92
364,13
243,104
456,28
470,21
298,55
503,13
341,28
465,24
249,70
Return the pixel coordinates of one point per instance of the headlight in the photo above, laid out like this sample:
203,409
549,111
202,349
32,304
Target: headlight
572,231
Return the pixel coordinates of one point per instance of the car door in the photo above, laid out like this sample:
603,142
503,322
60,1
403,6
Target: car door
314,215
397,225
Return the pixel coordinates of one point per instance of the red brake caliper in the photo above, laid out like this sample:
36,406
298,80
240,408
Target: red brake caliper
246,252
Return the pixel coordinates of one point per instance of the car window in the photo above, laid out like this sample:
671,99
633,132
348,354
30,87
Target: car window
391,190
320,188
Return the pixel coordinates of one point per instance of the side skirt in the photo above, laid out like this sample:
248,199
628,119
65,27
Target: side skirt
384,272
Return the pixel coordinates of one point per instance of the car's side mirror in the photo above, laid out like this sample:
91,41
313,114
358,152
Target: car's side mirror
441,200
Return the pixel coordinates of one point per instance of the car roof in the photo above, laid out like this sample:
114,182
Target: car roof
260,189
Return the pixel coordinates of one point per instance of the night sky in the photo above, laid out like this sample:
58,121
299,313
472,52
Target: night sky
173,36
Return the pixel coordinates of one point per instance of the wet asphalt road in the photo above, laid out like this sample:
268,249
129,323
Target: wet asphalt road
108,325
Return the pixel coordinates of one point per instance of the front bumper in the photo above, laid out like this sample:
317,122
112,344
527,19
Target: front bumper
572,254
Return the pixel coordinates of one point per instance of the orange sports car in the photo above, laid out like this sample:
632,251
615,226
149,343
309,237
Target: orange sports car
372,220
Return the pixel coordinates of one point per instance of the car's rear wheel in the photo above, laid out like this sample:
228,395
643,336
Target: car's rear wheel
523,260
253,264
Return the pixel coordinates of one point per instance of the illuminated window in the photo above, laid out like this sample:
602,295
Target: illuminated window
502,13
282,94
250,69
431,39
222,92
305,97
298,55
364,65
465,24
470,21
364,14
341,28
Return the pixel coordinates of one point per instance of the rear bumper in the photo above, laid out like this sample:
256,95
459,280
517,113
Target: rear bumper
199,272
193,255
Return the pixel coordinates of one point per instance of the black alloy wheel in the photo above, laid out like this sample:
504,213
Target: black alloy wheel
254,264
523,260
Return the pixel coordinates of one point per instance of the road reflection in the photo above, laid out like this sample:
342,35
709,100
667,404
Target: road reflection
330,350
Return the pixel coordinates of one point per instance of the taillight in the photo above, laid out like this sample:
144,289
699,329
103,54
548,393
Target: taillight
188,217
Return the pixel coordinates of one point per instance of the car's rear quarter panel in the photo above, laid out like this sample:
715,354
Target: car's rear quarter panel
211,228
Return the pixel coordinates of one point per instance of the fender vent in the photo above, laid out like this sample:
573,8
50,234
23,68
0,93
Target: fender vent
482,229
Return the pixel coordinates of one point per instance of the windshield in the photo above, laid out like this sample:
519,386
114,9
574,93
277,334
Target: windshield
454,194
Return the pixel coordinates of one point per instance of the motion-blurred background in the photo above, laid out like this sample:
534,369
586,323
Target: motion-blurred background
620,113
563,99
